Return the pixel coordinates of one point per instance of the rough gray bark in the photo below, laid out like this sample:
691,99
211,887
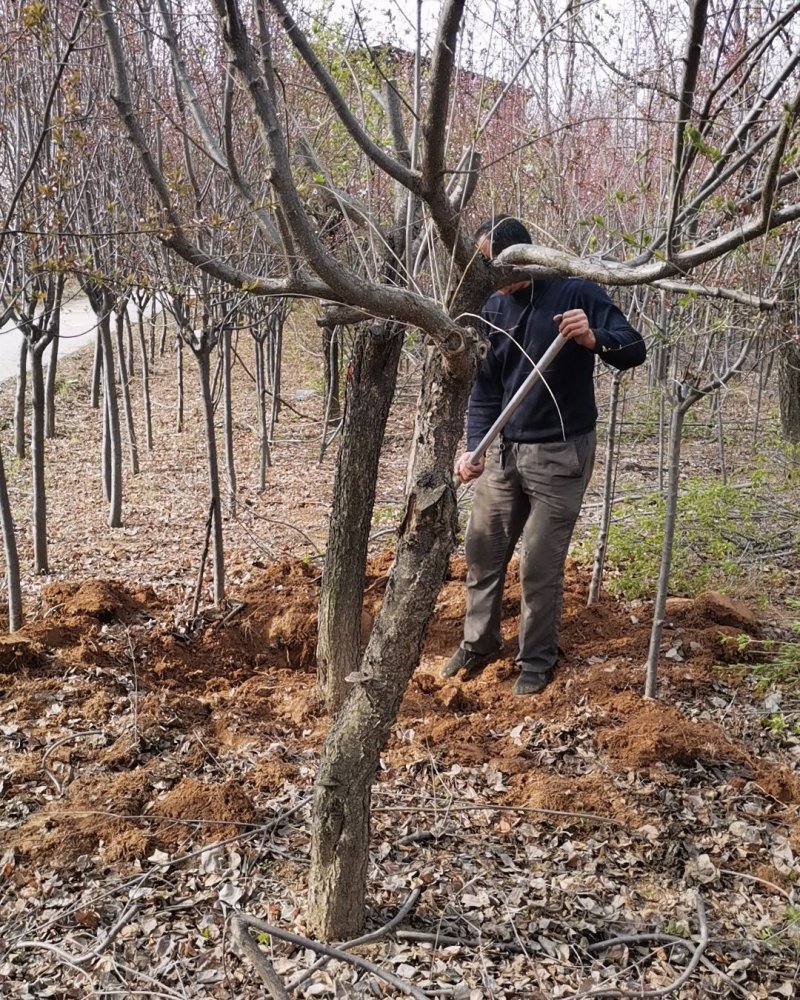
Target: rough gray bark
350,756
370,387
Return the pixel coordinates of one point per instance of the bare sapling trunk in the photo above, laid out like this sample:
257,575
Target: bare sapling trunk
12,557
130,356
330,350
37,461
147,406
217,555
227,419
105,456
373,374
125,387
274,346
330,346
162,346
789,388
151,338
50,386
264,457
19,400
608,493
179,377
358,735
668,542
723,464
114,437
688,394
97,373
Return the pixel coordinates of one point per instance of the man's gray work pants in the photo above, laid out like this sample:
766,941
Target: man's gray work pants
534,491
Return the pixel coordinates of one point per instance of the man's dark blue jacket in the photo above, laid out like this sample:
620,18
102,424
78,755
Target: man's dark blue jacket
564,407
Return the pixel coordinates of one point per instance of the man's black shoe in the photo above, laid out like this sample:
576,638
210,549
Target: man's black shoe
469,662
532,683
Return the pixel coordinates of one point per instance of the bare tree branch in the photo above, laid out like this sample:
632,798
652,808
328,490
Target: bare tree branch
680,153
398,171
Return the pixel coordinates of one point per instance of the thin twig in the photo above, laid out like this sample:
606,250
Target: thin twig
436,810
324,949
761,881
287,524
449,940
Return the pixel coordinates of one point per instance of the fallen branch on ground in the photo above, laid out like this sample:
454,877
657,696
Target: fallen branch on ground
241,921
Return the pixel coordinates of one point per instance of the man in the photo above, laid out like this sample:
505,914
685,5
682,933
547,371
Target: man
532,482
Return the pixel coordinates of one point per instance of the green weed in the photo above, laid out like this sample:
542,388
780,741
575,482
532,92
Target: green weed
772,663
722,532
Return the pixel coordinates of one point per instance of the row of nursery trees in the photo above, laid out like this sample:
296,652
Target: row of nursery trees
208,164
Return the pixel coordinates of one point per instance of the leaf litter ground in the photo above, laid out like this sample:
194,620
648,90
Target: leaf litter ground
157,773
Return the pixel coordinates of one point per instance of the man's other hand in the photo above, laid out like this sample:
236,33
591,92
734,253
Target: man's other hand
574,325
464,470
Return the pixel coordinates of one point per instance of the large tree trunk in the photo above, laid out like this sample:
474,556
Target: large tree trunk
350,756
371,382
789,389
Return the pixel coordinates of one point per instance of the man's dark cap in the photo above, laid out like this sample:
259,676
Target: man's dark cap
503,231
